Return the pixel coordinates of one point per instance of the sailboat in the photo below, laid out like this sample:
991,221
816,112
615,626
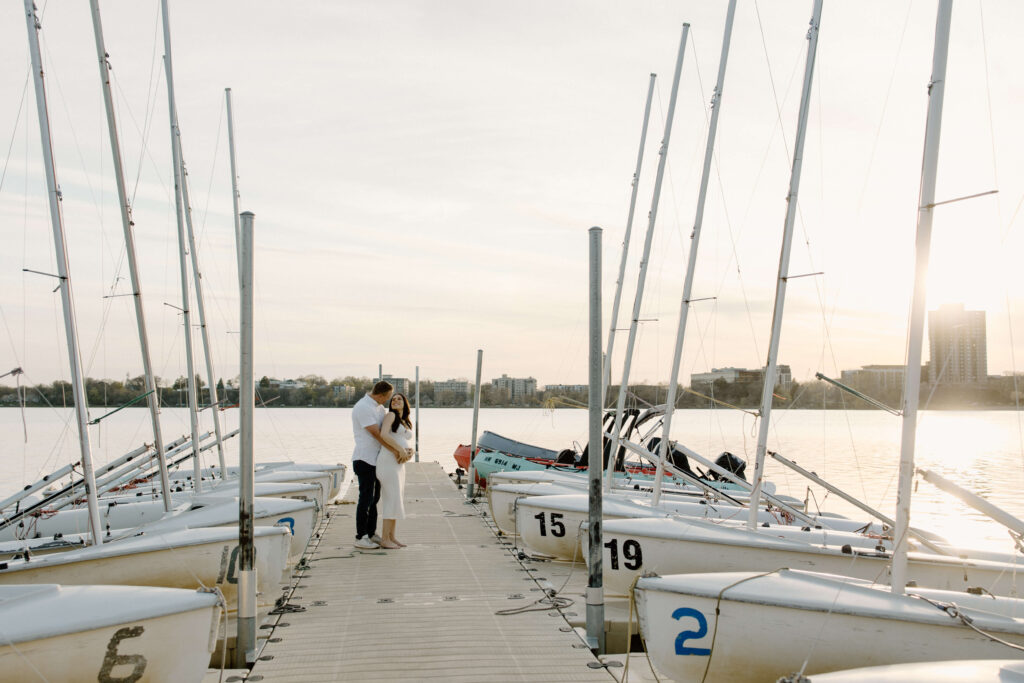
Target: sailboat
79,634
749,626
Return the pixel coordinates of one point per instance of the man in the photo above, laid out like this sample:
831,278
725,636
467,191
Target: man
367,415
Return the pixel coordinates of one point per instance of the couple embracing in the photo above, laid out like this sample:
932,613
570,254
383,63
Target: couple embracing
383,444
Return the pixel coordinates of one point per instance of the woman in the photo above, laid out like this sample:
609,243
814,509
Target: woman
396,430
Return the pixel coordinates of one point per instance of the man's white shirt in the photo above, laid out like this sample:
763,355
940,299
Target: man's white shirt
366,412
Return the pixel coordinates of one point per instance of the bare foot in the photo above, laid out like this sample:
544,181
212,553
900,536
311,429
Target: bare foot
390,545
400,544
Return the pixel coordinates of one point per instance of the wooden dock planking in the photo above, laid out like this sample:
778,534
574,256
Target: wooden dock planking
425,612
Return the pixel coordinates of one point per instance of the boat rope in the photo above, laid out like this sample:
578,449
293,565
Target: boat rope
954,612
629,632
222,626
718,612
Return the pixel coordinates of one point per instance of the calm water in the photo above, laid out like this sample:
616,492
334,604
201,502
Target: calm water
857,451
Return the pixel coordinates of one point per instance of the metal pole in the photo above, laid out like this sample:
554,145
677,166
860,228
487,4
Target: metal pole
691,266
63,275
234,183
651,218
607,377
245,650
380,372
768,388
912,378
595,575
417,428
178,204
127,224
470,487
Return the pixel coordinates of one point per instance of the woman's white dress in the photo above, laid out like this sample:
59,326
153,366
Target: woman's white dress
391,476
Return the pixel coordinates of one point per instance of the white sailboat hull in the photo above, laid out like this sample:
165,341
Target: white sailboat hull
84,634
958,671
636,547
190,558
738,627
540,519
298,515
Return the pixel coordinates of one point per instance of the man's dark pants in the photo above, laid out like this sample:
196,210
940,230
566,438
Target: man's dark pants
369,494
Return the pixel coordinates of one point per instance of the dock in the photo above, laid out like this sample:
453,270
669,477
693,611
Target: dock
438,609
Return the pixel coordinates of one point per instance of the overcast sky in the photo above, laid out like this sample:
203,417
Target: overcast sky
423,175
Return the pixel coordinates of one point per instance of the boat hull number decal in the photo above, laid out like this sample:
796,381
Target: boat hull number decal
557,525
112,659
702,630
290,521
632,553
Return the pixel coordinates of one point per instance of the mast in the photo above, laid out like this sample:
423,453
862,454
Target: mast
234,180
64,276
912,377
178,206
607,374
684,307
768,388
127,224
204,333
651,218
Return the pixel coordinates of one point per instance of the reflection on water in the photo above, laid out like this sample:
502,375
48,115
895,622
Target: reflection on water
857,451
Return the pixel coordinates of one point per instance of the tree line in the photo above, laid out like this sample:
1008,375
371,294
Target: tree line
315,391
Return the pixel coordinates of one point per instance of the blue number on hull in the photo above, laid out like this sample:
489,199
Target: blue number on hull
684,636
290,521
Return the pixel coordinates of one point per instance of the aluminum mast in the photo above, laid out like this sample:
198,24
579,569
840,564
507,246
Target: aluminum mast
607,374
925,206
691,266
63,275
179,211
651,218
153,399
768,389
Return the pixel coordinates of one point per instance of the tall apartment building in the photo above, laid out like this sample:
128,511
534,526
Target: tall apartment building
957,347
401,384
516,388
451,390
784,376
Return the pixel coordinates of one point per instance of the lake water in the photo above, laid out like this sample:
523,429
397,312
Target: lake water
857,451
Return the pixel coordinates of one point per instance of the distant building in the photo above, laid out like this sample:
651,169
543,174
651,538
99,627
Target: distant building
345,392
451,391
957,345
567,388
401,384
287,383
875,377
516,388
784,377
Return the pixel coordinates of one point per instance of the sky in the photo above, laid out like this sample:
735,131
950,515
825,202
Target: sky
423,176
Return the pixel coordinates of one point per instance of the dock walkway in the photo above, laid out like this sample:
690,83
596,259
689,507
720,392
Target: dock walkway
425,612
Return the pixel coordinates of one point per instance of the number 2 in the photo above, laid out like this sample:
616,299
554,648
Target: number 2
702,630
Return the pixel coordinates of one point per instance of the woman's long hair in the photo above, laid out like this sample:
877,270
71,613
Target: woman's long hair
402,418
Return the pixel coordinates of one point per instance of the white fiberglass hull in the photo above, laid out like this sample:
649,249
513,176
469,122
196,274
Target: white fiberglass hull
958,671
737,627
550,525
218,510
189,558
634,547
80,634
